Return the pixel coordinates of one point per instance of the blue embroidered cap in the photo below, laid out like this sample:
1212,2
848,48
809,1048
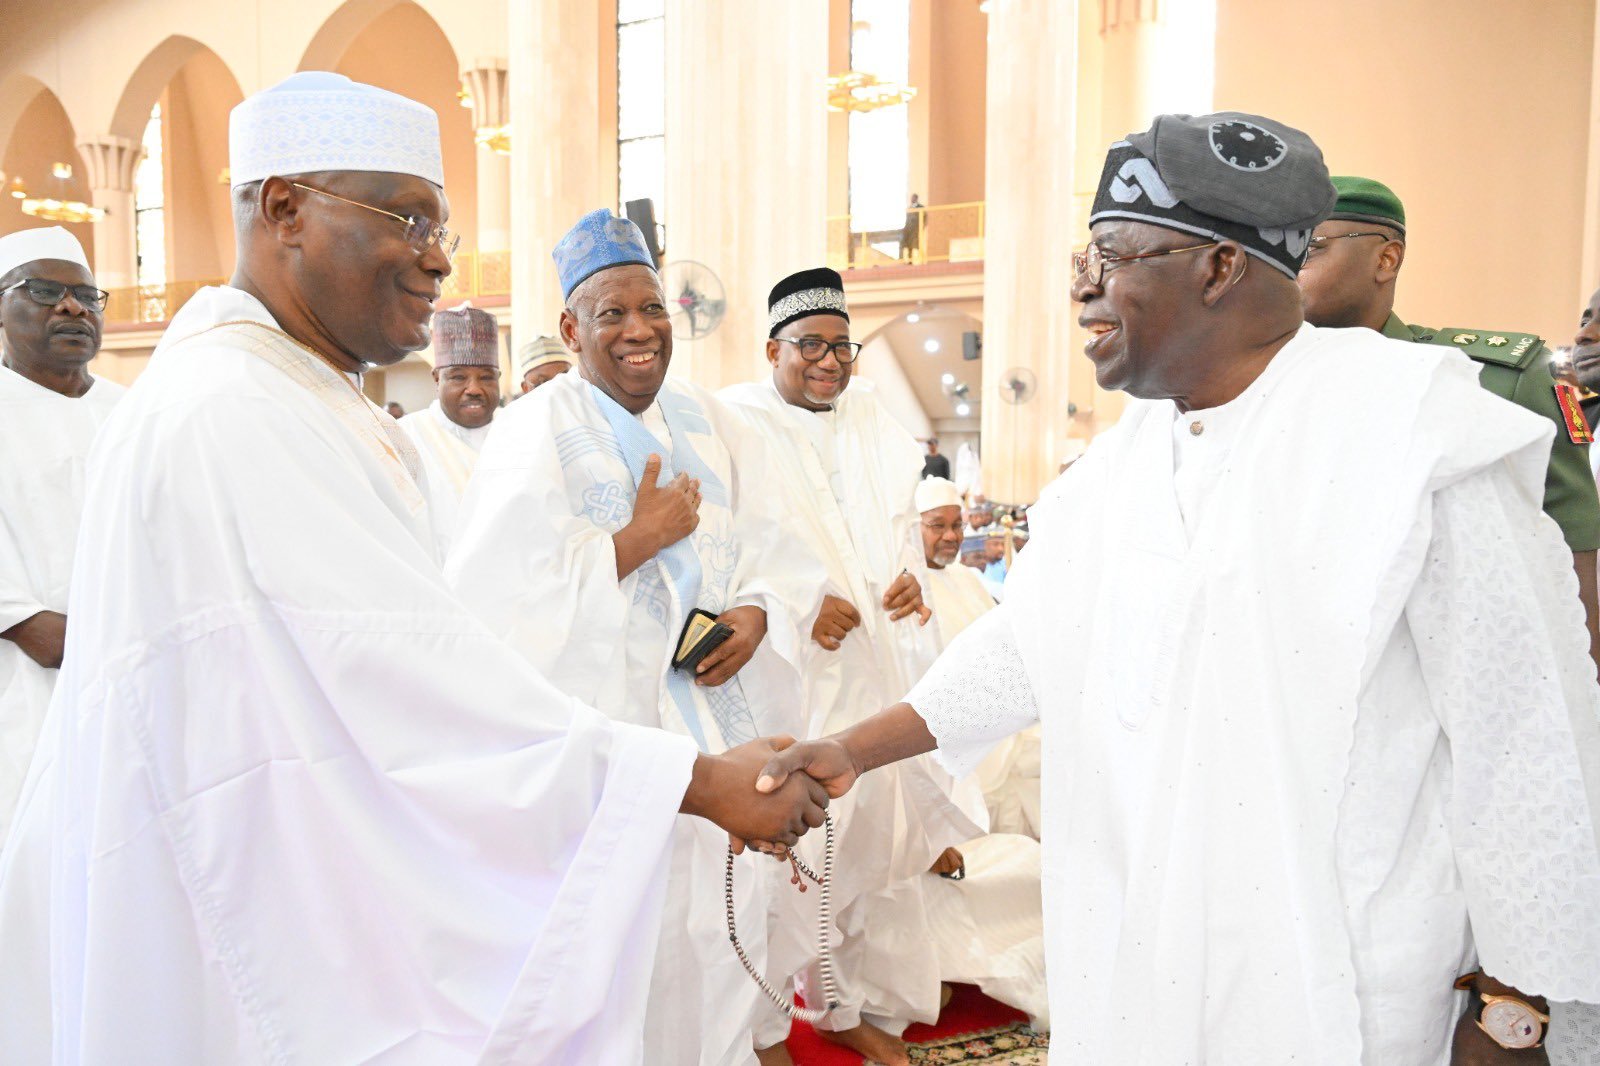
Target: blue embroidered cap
600,240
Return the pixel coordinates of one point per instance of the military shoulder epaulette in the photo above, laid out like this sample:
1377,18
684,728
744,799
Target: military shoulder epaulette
1486,346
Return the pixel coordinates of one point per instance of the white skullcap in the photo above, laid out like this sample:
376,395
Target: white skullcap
315,121
30,245
937,492
540,351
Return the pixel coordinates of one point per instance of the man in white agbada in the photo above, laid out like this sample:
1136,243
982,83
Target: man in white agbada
1309,660
449,433
608,507
50,410
293,803
847,475
987,925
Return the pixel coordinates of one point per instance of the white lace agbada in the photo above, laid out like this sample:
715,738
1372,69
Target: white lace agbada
1313,717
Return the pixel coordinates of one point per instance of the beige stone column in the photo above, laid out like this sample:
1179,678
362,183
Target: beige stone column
1031,145
490,110
111,162
747,163
557,154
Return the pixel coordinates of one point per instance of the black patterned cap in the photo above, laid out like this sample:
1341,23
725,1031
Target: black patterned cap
1227,176
819,291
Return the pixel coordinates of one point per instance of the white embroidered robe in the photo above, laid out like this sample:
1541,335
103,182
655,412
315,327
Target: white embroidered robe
534,557
293,803
847,480
1315,717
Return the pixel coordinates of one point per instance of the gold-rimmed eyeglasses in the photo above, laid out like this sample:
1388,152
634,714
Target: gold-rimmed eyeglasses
1091,263
421,233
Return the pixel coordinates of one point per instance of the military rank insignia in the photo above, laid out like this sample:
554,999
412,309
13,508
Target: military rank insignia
1578,430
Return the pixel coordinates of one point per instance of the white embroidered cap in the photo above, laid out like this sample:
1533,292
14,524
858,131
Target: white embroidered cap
31,245
315,121
937,492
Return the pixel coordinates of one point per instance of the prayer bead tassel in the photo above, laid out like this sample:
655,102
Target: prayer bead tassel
830,990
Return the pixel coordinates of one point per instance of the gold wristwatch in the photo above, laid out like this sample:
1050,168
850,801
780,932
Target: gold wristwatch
1509,1021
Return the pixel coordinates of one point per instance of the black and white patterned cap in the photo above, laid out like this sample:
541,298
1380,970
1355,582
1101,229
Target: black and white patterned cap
819,291
1227,176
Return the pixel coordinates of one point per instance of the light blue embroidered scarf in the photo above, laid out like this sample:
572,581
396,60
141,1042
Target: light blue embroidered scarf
680,562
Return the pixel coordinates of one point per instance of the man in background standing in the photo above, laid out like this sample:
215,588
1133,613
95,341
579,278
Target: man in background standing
540,360
449,433
50,411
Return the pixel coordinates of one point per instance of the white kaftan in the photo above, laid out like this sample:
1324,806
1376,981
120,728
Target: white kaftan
535,558
1313,717
293,803
847,479
44,442
449,452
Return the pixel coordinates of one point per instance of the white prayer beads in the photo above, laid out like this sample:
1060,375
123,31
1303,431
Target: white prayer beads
830,991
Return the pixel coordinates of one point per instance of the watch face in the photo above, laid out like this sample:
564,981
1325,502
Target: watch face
1511,1024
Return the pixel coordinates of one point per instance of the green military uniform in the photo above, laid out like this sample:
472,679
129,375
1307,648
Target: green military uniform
1516,367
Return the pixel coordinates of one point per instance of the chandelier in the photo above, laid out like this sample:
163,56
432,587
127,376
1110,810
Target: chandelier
51,208
495,138
856,90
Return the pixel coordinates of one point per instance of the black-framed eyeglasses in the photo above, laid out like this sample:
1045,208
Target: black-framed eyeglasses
1091,263
1320,244
422,232
49,293
815,349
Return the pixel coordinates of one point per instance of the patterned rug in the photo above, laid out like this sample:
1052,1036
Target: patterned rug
972,1028
1012,1044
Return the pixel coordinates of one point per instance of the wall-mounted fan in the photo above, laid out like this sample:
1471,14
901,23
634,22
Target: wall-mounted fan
694,298
1018,385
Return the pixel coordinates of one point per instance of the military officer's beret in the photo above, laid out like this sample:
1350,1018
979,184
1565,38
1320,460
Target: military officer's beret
1365,200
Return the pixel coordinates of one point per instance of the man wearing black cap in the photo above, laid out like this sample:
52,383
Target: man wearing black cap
1349,279
848,478
1318,712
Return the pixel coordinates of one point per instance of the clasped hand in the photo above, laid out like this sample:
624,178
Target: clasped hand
769,792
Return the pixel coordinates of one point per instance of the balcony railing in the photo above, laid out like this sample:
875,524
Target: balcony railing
941,233
476,274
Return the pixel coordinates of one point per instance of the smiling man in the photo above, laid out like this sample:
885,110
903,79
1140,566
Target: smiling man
450,432
50,411
612,510
1314,690
288,779
847,485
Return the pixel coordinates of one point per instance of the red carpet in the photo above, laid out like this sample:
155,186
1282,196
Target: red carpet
970,1011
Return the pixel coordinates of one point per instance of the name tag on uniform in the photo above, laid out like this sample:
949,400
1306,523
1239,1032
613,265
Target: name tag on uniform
1578,431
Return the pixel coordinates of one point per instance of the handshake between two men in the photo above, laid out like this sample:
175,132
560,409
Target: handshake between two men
770,791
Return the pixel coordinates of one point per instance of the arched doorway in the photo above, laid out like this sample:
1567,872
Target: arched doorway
41,136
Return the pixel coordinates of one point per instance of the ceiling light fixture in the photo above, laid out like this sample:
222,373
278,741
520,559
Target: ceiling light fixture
931,346
963,410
